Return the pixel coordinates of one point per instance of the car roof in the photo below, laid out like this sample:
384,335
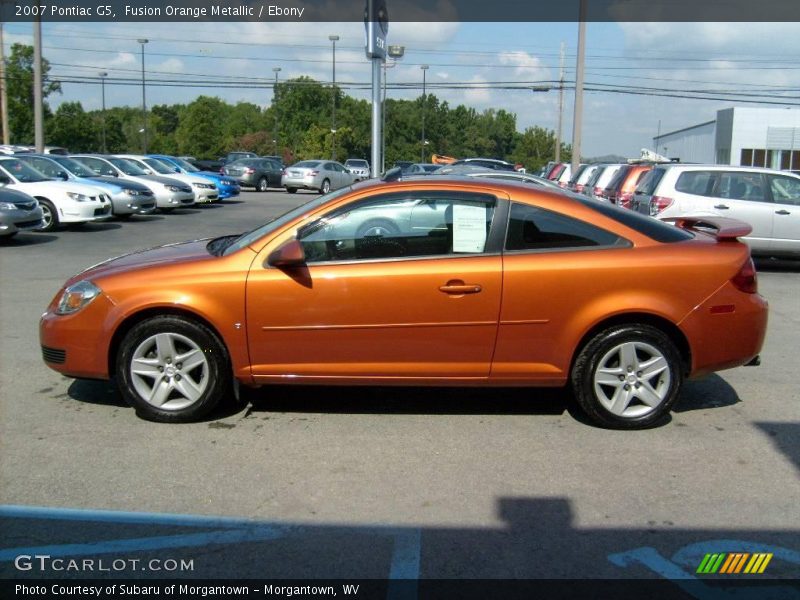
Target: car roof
701,167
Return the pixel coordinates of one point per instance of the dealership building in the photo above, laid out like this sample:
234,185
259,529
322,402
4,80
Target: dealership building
761,137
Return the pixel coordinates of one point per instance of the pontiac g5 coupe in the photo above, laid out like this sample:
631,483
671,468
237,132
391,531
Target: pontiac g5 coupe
445,282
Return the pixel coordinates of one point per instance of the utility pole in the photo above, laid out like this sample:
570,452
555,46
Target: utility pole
38,97
578,114
560,106
3,96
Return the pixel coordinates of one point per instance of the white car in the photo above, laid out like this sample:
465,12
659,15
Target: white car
204,189
170,192
599,180
767,200
61,201
358,167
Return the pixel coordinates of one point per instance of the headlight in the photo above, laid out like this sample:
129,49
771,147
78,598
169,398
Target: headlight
76,296
204,186
8,206
228,182
173,188
79,197
133,192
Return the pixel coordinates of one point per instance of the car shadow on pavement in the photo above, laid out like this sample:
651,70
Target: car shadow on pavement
93,227
408,400
226,201
144,219
105,393
709,392
27,239
777,265
785,437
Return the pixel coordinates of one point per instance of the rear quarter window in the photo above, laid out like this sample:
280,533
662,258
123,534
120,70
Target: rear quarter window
699,183
650,181
652,228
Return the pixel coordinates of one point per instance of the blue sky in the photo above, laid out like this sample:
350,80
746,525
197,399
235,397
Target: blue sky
758,59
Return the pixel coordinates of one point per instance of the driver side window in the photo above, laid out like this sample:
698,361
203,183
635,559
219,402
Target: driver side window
400,226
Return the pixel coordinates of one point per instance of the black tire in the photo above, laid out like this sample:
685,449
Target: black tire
262,185
377,228
211,379
167,209
326,187
291,190
49,215
623,396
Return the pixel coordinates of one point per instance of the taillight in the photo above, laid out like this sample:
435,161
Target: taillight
562,184
624,200
283,172
745,280
249,170
579,187
659,203
312,173
598,191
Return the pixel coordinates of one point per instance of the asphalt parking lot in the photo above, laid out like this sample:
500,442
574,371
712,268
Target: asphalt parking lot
407,483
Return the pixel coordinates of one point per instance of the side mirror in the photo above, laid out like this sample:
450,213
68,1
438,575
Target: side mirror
4,180
288,254
177,169
62,175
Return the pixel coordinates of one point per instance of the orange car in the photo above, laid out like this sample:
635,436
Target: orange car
449,282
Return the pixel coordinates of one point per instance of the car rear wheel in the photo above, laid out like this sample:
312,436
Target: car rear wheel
49,215
291,190
326,187
262,185
627,376
172,369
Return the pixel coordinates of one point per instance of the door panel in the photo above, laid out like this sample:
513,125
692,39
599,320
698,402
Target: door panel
377,319
786,231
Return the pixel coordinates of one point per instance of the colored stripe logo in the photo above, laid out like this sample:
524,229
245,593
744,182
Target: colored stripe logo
734,563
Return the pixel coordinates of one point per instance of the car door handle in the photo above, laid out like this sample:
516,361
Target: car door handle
782,212
722,206
459,287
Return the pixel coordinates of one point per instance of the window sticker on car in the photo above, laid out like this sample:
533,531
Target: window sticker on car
469,228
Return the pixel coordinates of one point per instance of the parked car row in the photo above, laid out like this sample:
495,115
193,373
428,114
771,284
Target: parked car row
765,199
87,187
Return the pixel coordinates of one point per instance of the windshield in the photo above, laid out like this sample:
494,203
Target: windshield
357,163
248,238
22,172
74,167
158,166
183,164
127,167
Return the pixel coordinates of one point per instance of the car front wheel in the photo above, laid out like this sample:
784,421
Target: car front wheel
172,369
628,376
49,215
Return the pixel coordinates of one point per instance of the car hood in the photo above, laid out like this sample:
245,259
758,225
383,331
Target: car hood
163,179
47,187
127,184
173,254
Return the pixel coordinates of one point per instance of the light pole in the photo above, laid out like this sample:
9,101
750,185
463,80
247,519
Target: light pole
333,39
422,141
395,53
275,70
143,41
103,76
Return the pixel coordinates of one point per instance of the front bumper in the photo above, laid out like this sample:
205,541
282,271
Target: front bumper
228,191
205,195
20,220
83,212
76,345
167,199
124,204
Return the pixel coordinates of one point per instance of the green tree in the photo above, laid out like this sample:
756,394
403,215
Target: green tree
19,90
536,146
73,128
201,130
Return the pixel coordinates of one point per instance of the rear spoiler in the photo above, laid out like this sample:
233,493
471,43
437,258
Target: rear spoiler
723,228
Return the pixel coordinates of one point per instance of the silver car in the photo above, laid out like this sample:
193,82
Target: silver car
321,175
18,212
170,193
358,167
